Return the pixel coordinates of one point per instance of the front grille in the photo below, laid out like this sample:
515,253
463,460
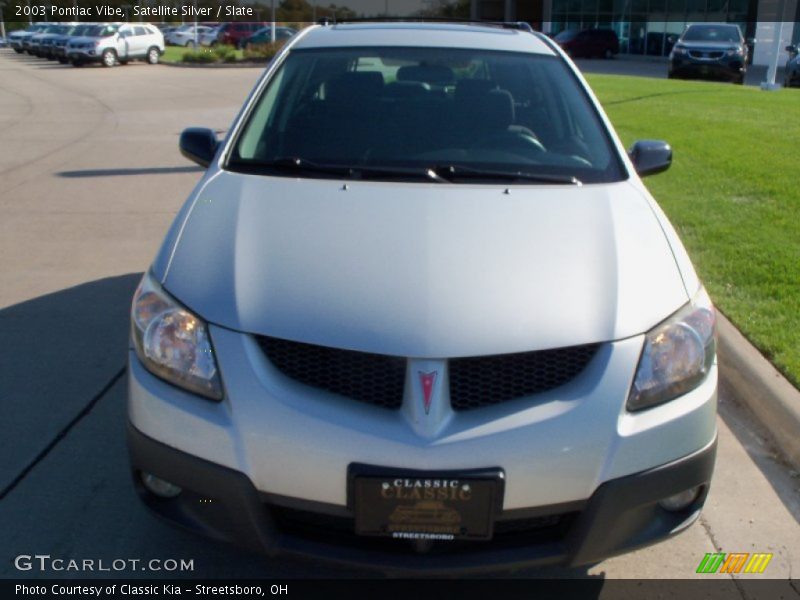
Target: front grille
340,530
474,382
373,378
487,380
707,55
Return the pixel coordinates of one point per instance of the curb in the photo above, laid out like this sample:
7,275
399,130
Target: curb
238,65
758,385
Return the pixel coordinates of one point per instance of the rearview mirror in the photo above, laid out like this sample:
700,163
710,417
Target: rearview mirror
650,157
199,145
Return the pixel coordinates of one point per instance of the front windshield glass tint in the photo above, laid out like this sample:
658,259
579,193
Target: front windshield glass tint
423,108
101,31
712,33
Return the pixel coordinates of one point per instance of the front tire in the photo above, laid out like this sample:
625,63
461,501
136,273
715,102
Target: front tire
153,55
62,60
109,57
608,54
18,50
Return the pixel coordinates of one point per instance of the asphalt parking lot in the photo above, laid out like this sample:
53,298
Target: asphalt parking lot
90,179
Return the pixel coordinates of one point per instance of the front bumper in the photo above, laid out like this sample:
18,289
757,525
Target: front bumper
730,69
82,55
621,515
274,445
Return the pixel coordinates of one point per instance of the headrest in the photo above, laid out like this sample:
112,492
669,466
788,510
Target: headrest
436,74
407,89
352,87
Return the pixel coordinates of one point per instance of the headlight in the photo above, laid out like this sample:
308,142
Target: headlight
735,52
173,343
678,50
677,355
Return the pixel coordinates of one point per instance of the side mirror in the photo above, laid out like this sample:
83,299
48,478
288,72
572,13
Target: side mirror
650,156
199,145
792,49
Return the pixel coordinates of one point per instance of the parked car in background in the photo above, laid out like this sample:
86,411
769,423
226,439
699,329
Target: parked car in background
233,33
209,37
16,39
33,44
791,76
187,36
59,44
264,36
589,43
43,43
422,278
709,51
117,44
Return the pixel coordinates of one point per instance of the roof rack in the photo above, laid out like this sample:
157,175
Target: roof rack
518,25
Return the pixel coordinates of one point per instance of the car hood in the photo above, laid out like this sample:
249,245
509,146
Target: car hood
82,39
419,269
709,45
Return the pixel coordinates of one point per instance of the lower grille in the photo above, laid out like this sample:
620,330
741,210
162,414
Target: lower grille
341,530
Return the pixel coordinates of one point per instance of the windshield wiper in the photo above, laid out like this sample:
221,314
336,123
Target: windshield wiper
299,164
452,172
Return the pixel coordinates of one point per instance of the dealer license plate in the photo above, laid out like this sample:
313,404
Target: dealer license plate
426,508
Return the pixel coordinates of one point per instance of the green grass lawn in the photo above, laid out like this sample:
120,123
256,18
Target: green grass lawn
733,193
174,54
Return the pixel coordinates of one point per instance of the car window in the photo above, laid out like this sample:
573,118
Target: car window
417,107
712,33
140,31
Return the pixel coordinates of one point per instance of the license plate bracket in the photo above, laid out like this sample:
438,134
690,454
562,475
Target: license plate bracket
425,505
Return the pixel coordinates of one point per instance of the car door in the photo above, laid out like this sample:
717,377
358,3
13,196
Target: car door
138,42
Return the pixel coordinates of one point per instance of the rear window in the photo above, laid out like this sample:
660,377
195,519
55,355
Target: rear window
423,108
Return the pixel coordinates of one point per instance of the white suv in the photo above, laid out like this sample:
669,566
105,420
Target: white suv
112,44
421,313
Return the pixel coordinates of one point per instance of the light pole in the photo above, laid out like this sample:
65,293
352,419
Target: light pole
769,84
2,22
272,27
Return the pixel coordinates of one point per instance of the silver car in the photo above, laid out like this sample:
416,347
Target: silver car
421,314
113,44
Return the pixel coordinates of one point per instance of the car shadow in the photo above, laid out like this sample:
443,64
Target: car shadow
58,352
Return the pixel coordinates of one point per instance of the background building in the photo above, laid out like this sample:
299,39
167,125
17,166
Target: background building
649,27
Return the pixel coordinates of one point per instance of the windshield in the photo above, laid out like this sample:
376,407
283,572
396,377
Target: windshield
712,33
444,114
100,30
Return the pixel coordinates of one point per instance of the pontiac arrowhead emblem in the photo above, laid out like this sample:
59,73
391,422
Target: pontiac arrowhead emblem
428,380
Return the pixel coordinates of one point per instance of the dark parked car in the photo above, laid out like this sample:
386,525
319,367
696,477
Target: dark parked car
589,42
791,76
233,33
710,51
264,36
